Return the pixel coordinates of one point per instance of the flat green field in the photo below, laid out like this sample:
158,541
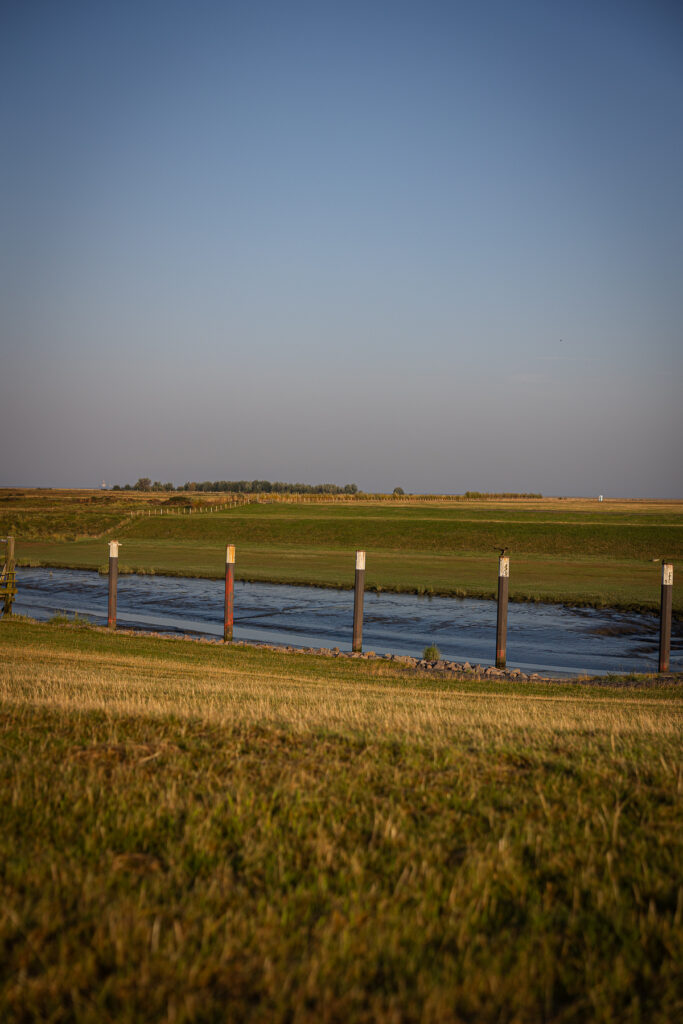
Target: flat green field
193,832
567,550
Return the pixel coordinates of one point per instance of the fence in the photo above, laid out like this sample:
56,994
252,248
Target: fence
8,579
277,498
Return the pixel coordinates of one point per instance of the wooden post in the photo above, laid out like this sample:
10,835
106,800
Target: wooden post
113,580
665,616
9,577
502,618
358,602
229,592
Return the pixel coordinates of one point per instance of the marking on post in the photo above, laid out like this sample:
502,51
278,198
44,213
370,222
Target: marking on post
667,574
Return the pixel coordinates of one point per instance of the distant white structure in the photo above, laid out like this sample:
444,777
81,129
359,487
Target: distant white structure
599,497
104,487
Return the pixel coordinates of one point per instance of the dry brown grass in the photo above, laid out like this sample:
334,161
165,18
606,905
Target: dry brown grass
226,692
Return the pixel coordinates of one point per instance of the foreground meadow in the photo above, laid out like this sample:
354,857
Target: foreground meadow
193,832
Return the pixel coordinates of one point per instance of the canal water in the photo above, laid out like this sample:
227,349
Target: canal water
544,638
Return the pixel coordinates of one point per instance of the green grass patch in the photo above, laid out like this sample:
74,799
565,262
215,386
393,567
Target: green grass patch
425,529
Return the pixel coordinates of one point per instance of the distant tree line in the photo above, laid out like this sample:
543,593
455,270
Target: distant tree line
266,487
239,487
488,496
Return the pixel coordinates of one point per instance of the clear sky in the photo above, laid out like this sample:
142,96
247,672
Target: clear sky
431,245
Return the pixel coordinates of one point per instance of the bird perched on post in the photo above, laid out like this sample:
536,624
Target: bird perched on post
503,551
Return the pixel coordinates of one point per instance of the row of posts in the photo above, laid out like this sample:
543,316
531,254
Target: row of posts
359,591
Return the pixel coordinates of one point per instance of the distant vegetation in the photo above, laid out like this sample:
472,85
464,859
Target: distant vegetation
494,496
239,487
145,483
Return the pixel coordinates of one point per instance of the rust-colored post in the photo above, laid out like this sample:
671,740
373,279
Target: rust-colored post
113,580
665,616
358,602
229,592
502,618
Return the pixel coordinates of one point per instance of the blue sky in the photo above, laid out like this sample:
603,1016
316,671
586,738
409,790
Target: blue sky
434,245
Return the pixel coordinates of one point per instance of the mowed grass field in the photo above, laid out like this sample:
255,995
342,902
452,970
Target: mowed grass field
200,833
568,550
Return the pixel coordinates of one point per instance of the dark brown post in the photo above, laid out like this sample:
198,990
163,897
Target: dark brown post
358,602
10,582
665,616
502,619
113,580
229,592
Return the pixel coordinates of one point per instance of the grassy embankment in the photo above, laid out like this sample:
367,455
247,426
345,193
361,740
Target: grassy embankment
567,550
199,833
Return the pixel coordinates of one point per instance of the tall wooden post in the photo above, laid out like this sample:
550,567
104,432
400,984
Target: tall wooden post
113,581
665,616
502,617
9,577
229,592
358,602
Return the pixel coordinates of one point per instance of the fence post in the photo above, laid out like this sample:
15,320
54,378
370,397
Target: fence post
358,602
502,617
665,616
113,580
8,573
229,592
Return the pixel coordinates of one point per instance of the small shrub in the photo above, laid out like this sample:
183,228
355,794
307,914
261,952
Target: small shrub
58,619
431,653
62,619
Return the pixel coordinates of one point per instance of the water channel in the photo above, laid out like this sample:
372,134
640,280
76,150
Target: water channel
544,638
